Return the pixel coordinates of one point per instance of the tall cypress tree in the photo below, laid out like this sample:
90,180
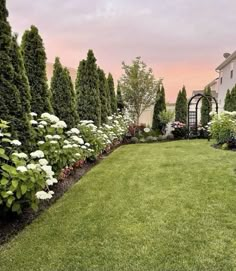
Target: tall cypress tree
87,90
206,107
111,88
160,105
34,57
120,102
62,95
10,106
21,82
227,106
103,94
181,106
80,89
233,99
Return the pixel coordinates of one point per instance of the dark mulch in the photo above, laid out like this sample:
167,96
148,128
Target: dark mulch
11,225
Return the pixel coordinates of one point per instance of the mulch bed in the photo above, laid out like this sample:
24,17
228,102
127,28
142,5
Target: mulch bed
11,225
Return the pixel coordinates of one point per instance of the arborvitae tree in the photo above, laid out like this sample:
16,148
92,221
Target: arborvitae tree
62,97
10,106
160,106
181,106
111,88
21,82
87,90
80,89
103,94
233,99
206,107
228,106
34,57
120,102
108,99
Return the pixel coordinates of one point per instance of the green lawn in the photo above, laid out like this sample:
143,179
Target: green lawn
169,206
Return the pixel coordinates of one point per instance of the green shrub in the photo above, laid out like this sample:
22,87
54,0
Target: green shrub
134,140
225,146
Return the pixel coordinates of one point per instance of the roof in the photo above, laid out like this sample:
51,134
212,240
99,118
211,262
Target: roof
213,82
227,61
213,93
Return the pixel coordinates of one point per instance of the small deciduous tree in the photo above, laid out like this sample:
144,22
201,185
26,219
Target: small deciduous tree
139,87
34,57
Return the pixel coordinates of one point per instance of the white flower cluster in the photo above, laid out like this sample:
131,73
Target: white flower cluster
44,195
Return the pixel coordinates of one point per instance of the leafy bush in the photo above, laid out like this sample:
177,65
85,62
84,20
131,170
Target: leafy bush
223,128
134,140
150,139
25,178
180,130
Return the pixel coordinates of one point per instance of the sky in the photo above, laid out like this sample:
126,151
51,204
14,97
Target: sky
183,41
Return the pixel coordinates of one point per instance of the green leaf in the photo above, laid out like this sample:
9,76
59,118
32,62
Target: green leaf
15,183
4,181
10,200
23,189
6,140
34,206
4,156
16,207
9,169
18,193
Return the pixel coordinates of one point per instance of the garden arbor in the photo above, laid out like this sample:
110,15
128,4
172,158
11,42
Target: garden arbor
193,114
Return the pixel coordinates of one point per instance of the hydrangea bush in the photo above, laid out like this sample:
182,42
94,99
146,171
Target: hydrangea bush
223,127
27,178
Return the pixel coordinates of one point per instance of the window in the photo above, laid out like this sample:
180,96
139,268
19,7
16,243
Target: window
221,80
231,73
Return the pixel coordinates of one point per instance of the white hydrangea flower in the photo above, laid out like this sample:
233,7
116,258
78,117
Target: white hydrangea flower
21,155
43,162
49,137
83,147
50,117
75,145
78,154
40,126
41,142
48,170
56,137
33,114
43,195
51,181
32,166
37,154
22,169
87,144
59,124
53,142
43,122
110,118
15,142
75,131
33,122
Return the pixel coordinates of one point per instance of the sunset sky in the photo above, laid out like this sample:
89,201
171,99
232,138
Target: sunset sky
182,40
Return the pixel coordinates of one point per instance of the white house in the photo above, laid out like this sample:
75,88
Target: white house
227,77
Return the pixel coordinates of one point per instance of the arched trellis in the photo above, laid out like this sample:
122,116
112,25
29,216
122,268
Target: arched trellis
200,96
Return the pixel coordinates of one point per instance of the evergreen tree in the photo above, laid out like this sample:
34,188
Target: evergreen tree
21,82
233,99
120,102
80,89
181,106
103,94
111,88
228,106
35,64
206,107
89,104
62,95
10,106
160,106
108,99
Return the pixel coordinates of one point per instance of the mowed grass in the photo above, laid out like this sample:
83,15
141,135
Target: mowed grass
168,206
